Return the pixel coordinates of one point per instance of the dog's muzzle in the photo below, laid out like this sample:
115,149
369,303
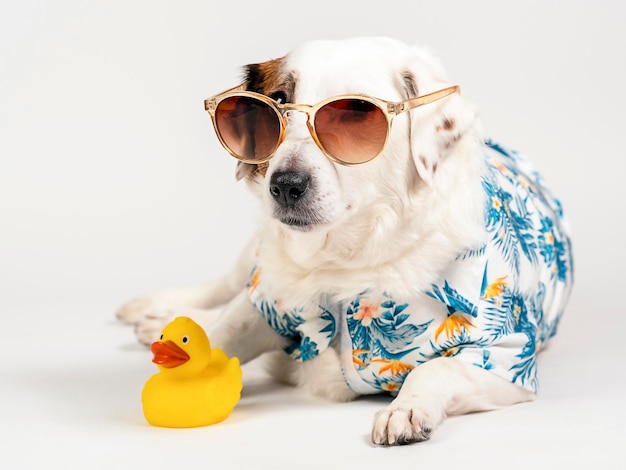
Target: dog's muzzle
292,195
288,188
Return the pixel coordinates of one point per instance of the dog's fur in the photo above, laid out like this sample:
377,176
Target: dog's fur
394,223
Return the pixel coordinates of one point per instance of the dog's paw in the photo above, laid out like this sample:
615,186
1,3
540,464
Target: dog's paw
399,425
137,310
150,327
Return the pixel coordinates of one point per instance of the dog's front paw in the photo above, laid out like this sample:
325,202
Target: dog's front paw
402,424
137,310
148,315
150,327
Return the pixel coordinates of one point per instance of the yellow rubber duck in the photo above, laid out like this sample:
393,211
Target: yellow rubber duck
196,385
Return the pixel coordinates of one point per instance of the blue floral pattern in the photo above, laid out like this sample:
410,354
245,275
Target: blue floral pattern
488,321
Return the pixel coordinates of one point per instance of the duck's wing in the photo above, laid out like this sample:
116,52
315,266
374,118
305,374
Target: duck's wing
219,359
227,382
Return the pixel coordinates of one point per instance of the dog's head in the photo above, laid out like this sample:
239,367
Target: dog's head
302,189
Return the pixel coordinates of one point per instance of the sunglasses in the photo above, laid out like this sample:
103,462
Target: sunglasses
348,129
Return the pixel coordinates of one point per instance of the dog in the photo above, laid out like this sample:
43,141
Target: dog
398,249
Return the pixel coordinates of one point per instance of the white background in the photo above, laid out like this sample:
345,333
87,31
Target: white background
113,184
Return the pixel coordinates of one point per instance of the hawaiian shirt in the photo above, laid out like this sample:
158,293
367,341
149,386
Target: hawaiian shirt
494,306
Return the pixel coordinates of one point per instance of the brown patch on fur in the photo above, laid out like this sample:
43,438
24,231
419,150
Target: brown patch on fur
452,140
269,77
410,84
446,125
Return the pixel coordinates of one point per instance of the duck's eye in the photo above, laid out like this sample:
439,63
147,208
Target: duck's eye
279,97
185,339
161,338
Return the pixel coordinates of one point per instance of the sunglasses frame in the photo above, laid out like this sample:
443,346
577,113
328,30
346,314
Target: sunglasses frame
389,108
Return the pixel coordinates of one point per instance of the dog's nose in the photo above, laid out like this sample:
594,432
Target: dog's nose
288,187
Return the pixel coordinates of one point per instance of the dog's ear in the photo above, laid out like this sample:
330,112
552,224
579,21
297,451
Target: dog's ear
243,170
435,128
250,171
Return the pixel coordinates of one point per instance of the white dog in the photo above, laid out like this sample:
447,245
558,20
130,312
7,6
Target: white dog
398,251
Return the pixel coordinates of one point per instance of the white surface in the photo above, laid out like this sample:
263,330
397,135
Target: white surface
113,184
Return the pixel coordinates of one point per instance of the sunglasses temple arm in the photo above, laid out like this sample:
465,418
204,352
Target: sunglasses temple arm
426,99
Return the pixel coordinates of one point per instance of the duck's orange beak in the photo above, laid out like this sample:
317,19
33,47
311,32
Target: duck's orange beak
168,354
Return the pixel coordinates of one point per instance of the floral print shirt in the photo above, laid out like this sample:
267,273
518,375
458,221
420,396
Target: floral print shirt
494,306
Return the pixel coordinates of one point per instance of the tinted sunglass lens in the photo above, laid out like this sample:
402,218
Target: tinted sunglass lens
351,130
249,127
